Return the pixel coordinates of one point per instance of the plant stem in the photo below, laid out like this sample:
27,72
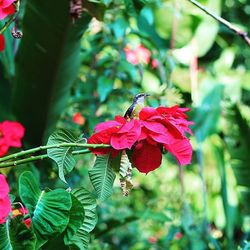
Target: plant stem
33,150
35,158
227,24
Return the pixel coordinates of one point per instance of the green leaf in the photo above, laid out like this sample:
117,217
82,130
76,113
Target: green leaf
238,144
47,64
49,209
87,200
14,234
102,177
104,87
89,205
208,113
62,155
76,219
7,55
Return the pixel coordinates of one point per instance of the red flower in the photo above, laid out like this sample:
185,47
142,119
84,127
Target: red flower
11,134
6,8
2,42
5,204
156,129
139,54
78,118
119,133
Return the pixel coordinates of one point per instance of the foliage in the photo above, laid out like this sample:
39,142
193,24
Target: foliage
69,62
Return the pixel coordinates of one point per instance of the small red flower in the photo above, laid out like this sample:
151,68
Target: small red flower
5,203
152,239
6,8
154,64
22,211
178,235
27,222
139,54
2,42
11,134
78,118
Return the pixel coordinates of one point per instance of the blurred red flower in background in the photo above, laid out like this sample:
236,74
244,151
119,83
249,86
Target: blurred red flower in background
6,8
5,203
22,211
2,42
139,54
78,118
11,134
156,129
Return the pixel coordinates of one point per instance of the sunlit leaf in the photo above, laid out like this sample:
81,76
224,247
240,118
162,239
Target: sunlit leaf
102,177
49,209
14,234
81,238
62,155
76,219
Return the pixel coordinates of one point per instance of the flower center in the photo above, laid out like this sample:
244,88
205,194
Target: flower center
1,133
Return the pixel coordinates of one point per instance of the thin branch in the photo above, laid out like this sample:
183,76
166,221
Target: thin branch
33,150
36,158
227,24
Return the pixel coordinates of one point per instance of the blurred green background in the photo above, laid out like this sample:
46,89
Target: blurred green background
59,68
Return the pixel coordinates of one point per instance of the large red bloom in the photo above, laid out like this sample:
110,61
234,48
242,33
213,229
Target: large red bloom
6,8
162,127
156,129
5,204
11,134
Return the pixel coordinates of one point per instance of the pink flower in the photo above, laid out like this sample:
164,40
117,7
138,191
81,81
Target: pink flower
139,54
78,118
2,42
5,204
11,134
6,8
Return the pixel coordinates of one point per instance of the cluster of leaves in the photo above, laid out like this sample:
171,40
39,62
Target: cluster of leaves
44,74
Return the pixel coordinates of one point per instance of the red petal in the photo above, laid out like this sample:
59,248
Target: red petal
126,136
2,42
4,187
105,125
146,157
147,112
5,208
181,150
102,137
13,132
6,3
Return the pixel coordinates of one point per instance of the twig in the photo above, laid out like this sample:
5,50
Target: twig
227,24
33,150
36,158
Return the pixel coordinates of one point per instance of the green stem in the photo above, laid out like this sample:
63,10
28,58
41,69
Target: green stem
33,150
227,24
8,23
36,158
